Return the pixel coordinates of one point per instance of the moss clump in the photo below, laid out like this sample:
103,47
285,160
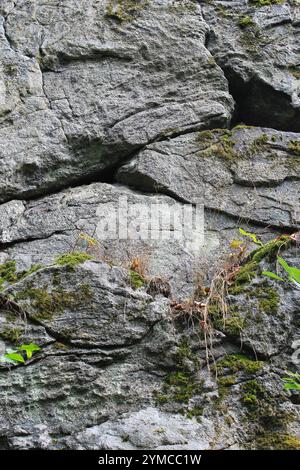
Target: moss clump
245,275
61,346
250,269
195,412
124,10
136,280
72,259
217,142
245,21
182,385
8,272
227,381
263,3
269,299
232,324
252,393
294,146
10,275
47,304
261,140
270,249
185,357
238,363
277,441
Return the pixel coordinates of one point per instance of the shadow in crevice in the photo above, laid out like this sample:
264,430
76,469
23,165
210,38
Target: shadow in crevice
259,104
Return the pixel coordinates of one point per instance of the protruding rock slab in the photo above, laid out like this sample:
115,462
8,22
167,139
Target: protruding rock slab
249,173
257,46
85,83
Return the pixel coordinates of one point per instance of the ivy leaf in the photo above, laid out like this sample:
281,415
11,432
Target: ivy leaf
15,357
292,382
284,264
29,349
252,236
273,276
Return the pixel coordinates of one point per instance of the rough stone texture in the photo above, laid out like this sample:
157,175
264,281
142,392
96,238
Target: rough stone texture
134,99
38,231
260,58
250,173
106,351
80,89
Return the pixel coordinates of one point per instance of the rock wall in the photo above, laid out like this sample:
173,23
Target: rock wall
161,102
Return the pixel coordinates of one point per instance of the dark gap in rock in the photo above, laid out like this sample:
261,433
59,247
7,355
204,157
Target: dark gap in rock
259,104
4,444
295,399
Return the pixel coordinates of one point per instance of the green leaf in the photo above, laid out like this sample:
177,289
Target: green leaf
252,236
6,359
15,357
29,349
295,274
273,276
291,386
292,382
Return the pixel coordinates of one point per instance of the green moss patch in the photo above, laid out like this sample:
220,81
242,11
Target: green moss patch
263,3
294,145
238,363
245,21
125,10
181,385
277,441
232,324
136,280
252,393
217,142
47,304
72,259
11,334
270,249
268,299
10,275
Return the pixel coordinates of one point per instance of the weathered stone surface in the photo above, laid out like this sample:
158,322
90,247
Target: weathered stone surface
100,389
148,429
249,173
38,231
192,353
257,46
81,89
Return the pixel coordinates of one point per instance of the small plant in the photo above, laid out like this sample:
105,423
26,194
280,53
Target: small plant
292,273
292,382
14,356
252,237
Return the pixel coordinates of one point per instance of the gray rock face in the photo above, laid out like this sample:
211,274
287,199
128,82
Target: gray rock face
110,353
38,231
85,83
258,49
